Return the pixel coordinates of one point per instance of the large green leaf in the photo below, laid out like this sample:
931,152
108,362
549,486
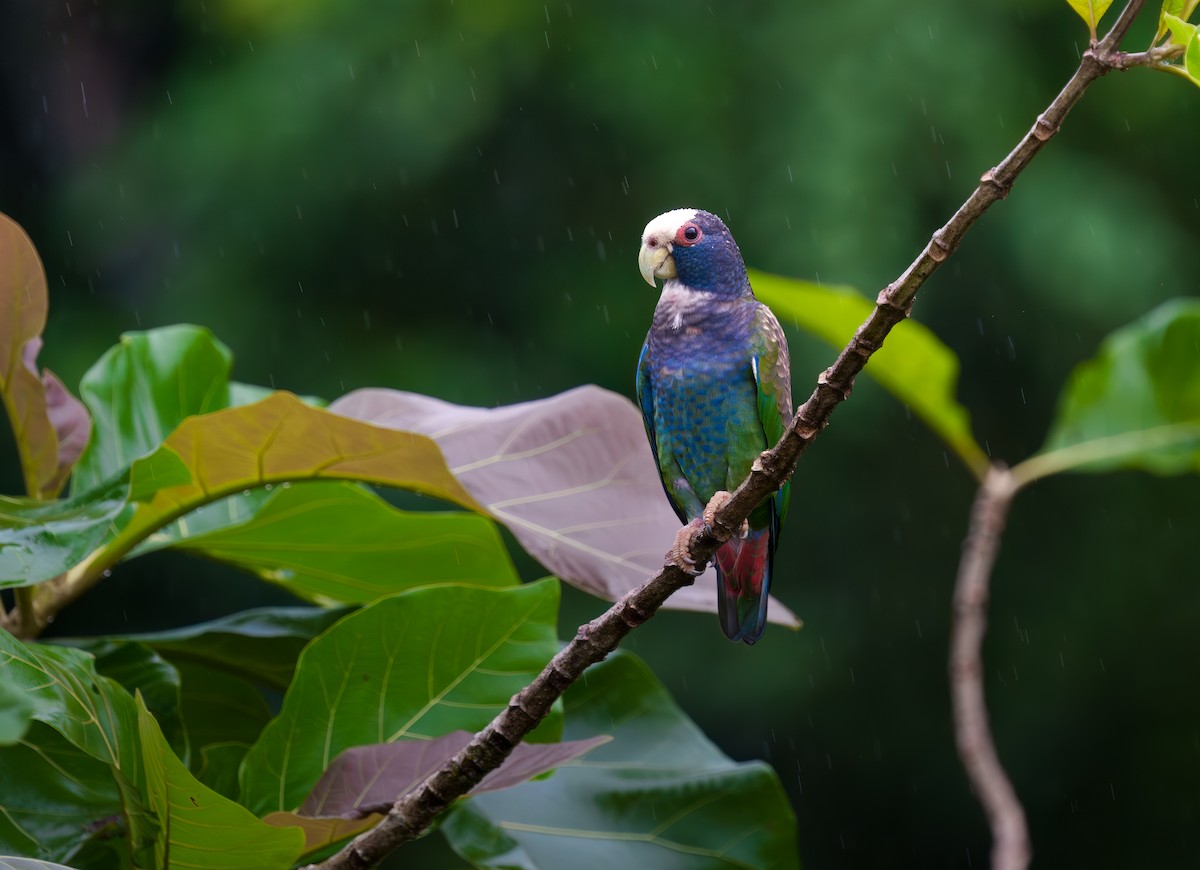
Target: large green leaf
50,426
200,828
40,539
143,388
913,364
93,713
260,645
419,664
46,813
1136,404
16,712
659,795
218,769
140,669
336,542
219,707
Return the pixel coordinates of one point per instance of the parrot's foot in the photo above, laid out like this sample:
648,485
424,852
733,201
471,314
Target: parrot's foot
719,500
680,554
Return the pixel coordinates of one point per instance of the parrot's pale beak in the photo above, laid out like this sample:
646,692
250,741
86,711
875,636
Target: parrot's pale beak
655,261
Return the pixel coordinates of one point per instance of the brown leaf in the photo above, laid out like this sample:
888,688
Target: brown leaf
368,779
571,476
37,426
363,782
71,422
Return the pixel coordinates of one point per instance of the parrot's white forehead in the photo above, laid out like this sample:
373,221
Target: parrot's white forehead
668,222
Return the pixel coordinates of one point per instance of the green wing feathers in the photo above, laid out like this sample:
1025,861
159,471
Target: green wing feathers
772,374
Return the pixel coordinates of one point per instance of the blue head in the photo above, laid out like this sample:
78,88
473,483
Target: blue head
695,248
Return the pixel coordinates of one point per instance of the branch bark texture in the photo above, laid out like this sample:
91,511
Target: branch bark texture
416,810
972,733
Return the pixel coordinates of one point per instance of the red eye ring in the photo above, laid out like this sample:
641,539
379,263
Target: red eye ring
688,235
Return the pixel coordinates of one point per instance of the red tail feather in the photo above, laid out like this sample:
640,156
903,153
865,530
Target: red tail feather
744,578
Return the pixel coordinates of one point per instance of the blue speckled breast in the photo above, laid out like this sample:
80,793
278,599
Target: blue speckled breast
705,400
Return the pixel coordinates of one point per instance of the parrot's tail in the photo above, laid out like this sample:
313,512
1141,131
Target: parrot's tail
743,581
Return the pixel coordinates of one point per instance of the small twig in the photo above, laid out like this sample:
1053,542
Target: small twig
1158,56
972,734
412,814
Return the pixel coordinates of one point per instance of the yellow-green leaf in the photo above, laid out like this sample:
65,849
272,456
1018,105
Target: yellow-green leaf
277,440
1181,32
1191,58
1181,9
913,365
1091,11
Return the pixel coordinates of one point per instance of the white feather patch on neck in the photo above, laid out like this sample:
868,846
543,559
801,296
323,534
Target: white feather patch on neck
678,299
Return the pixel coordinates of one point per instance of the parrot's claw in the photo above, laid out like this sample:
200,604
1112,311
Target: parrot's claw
680,554
719,500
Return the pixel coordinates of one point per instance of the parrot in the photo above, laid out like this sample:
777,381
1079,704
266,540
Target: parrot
714,387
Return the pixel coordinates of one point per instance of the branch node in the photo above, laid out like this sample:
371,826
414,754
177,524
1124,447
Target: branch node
842,390
887,299
632,615
863,346
1043,129
991,179
938,251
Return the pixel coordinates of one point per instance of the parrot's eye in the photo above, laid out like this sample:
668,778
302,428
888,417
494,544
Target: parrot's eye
688,234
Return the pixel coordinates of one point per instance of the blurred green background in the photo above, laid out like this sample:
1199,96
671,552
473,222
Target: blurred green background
447,197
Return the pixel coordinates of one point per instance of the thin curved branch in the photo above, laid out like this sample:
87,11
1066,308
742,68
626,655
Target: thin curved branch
972,733
415,811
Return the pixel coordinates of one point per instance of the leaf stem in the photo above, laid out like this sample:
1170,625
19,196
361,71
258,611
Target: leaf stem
414,812
1109,447
1158,57
972,733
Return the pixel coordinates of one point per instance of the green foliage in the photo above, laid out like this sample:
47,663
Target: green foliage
659,795
200,828
170,738
144,387
415,665
340,543
16,712
1091,11
183,459
1174,27
1136,404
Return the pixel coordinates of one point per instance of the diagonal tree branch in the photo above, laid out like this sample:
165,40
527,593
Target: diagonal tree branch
416,810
